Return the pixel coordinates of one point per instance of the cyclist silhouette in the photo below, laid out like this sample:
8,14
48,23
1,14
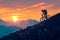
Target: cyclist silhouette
44,14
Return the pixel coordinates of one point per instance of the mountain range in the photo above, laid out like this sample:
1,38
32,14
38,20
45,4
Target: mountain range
6,28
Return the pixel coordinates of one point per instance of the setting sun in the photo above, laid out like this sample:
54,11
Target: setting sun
14,18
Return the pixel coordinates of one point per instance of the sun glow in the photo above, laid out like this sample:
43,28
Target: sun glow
15,18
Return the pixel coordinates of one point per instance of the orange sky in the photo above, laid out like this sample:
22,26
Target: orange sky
29,12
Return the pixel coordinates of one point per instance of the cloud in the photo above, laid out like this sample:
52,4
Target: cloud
25,3
36,5
49,6
17,3
41,5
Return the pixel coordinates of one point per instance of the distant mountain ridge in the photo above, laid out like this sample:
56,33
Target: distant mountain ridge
46,30
30,22
2,22
6,28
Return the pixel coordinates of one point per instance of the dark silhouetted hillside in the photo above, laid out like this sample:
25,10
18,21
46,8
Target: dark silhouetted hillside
46,30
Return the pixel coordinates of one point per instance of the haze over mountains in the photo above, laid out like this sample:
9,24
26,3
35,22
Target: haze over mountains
21,24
